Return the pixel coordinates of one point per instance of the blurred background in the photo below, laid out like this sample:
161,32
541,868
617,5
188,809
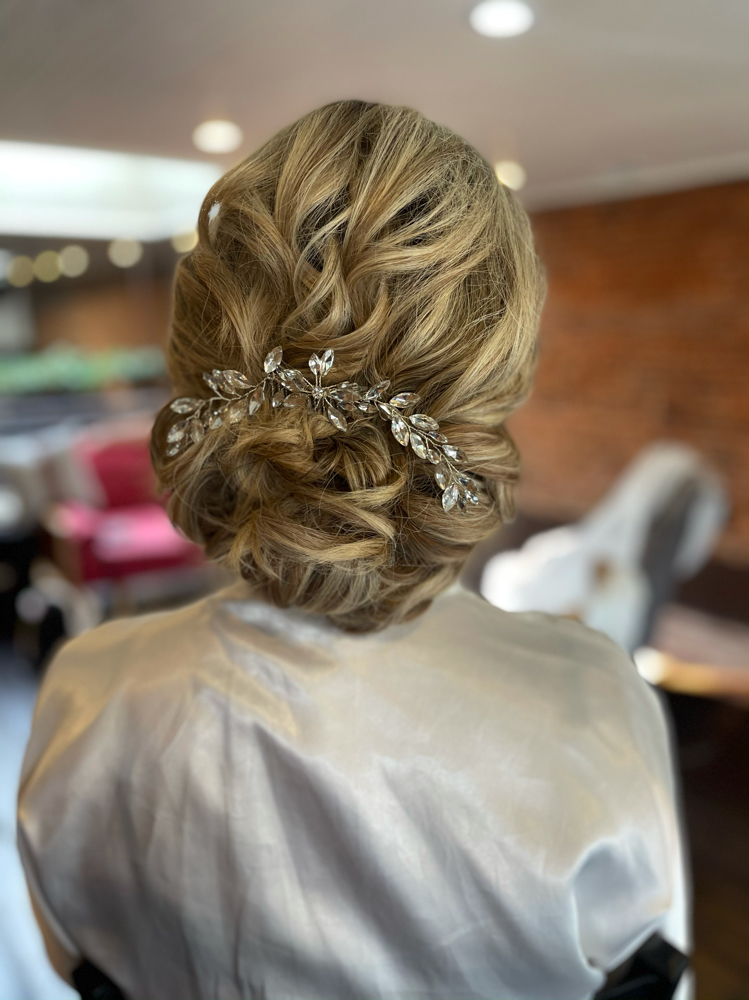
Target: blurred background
623,128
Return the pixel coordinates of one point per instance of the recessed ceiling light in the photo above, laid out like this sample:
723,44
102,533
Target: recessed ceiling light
125,253
217,136
510,173
501,18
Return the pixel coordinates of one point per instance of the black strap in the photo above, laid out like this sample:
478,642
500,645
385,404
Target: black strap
652,973
93,984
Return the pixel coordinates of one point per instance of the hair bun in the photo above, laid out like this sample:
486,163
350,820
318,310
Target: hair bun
371,230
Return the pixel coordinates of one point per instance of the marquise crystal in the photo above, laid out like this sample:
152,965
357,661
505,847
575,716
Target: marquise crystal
235,381
273,360
404,399
235,412
376,390
450,497
337,419
184,405
423,422
197,430
321,366
177,432
454,453
418,444
399,427
235,399
255,400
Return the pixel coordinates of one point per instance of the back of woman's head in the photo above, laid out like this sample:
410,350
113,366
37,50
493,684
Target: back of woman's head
374,231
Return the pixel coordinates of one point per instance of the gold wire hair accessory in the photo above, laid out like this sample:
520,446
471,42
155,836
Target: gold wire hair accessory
235,399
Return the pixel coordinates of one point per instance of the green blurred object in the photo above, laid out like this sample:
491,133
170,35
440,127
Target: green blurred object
74,370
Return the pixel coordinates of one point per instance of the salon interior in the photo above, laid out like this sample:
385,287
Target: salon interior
622,128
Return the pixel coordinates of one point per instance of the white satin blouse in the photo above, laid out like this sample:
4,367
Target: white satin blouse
231,800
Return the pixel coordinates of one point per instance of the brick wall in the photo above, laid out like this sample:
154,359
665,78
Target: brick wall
124,314
645,336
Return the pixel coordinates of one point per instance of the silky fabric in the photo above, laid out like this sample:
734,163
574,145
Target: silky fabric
232,800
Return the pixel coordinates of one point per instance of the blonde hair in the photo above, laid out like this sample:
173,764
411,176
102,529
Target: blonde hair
372,230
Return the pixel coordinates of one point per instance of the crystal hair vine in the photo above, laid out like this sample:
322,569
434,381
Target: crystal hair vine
235,398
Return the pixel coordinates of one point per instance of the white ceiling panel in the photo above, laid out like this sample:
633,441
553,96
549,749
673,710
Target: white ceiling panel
601,99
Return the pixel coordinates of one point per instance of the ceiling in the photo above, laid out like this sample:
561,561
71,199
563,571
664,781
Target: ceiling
601,99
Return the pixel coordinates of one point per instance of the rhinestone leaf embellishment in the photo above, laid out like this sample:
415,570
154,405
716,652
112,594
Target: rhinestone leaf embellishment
293,379
423,422
197,430
399,427
235,412
212,382
336,418
272,360
377,390
455,453
327,361
450,497
418,444
404,400
217,419
235,399
177,431
256,399
321,366
234,381
185,405
295,399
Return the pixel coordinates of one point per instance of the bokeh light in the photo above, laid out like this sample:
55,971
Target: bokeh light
217,136
20,271
125,253
74,260
510,173
47,266
501,18
185,242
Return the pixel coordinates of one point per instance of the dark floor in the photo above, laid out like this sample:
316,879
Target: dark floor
714,752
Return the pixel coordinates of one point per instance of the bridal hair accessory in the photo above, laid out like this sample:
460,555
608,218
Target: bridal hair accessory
235,398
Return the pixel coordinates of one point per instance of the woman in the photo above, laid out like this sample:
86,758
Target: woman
342,777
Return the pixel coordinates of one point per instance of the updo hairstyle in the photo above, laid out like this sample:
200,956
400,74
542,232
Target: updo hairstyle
374,231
